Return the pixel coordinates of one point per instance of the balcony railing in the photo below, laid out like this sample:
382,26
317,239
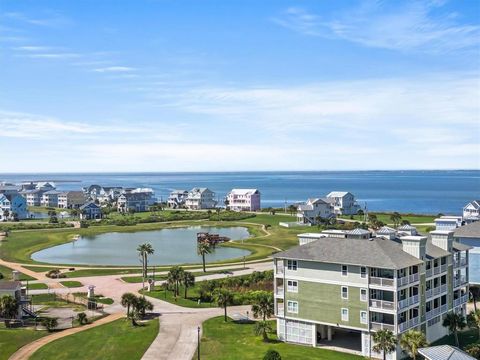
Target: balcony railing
437,311
408,302
280,311
280,291
407,279
459,281
382,304
382,281
280,270
460,263
436,291
408,324
381,326
460,301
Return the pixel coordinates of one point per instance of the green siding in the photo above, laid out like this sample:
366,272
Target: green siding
323,303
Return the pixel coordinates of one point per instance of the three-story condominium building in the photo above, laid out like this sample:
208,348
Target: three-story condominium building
341,290
243,200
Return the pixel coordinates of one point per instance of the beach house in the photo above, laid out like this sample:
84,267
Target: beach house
177,198
343,202
448,222
50,198
90,211
243,200
200,198
339,291
313,210
71,199
33,197
13,205
471,211
138,200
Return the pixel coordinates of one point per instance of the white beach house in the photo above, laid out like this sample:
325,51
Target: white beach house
200,198
344,203
471,211
314,209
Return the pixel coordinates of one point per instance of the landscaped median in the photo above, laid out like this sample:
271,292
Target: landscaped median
13,339
236,341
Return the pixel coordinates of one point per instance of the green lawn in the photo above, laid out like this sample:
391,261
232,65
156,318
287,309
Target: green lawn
191,301
71,284
37,286
230,341
13,339
100,298
7,274
138,279
100,272
464,337
50,300
40,269
118,340
385,218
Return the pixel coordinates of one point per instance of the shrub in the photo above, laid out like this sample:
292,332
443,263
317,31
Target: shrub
272,355
50,323
473,350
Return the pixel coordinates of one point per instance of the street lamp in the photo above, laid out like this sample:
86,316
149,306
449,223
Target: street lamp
198,343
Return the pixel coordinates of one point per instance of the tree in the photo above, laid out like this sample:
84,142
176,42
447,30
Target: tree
6,213
473,320
188,280
262,328
50,323
143,251
292,209
360,212
175,277
473,350
272,355
396,218
405,222
454,322
223,298
411,341
385,342
8,308
82,318
128,301
204,248
263,305
319,220
142,305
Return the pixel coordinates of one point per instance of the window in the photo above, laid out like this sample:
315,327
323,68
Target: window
363,317
292,286
344,292
344,270
344,314
363,294
292,265
363,272
292,307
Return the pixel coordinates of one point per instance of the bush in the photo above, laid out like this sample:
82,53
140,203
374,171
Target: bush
50,323
33,226
272,355
55,274
230,216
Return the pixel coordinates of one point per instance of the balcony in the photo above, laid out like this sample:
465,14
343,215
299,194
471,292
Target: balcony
460,301
280,270
437,311
407,279
280,291
436,270
381,326
460,263
280,311
382,304
384,282
408,302
459,281
436,291
408,324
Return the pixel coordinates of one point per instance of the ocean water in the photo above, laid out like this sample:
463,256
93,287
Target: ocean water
425,192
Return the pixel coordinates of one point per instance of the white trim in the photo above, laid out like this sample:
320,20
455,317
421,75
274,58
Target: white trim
292,288
366,317
341,314
346,270
341,292
291,264
323,281
366,272
291,302
339,325
366,294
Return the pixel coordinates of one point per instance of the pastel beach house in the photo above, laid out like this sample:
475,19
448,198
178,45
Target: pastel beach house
243,200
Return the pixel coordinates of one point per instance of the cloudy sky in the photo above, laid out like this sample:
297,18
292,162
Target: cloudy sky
203,85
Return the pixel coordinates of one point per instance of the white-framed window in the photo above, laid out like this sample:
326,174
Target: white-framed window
344,270
292,265
363,317
363,272
344,292
292,286
344,313
292,307
363,294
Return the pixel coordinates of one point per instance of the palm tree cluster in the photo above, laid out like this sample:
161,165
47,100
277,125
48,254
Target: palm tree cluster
176,277
396,218
455,322
8,308
144,251
137,306
262,304
223,298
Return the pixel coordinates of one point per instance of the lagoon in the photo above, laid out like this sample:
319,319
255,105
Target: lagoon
172,246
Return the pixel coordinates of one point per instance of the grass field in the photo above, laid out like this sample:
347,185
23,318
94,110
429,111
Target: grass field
231,341
71,284
385,218
13,339
118,340
40,269
464,337
37,286
191,301
7,274
50,300
138,279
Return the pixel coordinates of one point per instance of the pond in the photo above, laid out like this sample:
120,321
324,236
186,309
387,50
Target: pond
172,246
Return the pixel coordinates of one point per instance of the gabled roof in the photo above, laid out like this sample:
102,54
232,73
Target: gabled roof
89,204
475,204
407,227
358,231
444,352
10,285
468,231
244,191
338,194
386,230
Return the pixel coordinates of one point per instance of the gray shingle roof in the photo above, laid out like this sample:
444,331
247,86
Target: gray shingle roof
376,252
9,285
469,231
444,352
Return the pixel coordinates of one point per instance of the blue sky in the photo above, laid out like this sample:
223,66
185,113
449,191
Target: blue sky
159,85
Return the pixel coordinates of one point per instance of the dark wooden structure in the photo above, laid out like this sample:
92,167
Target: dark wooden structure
211,239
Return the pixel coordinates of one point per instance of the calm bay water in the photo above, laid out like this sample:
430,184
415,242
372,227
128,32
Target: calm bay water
427,192
172,246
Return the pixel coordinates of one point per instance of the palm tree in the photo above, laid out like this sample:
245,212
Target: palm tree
82,318
8,308
411,341
50,323
263,305
223,298
128,301
396,218
143,251
385,342
174,277
454,322
262,328
203,249
473,320
142,305
188,280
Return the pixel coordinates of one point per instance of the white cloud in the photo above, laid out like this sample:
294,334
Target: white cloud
59,55
413,25
32,48
114,69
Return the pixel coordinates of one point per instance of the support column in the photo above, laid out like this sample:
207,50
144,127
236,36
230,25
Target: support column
329,333
314,335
